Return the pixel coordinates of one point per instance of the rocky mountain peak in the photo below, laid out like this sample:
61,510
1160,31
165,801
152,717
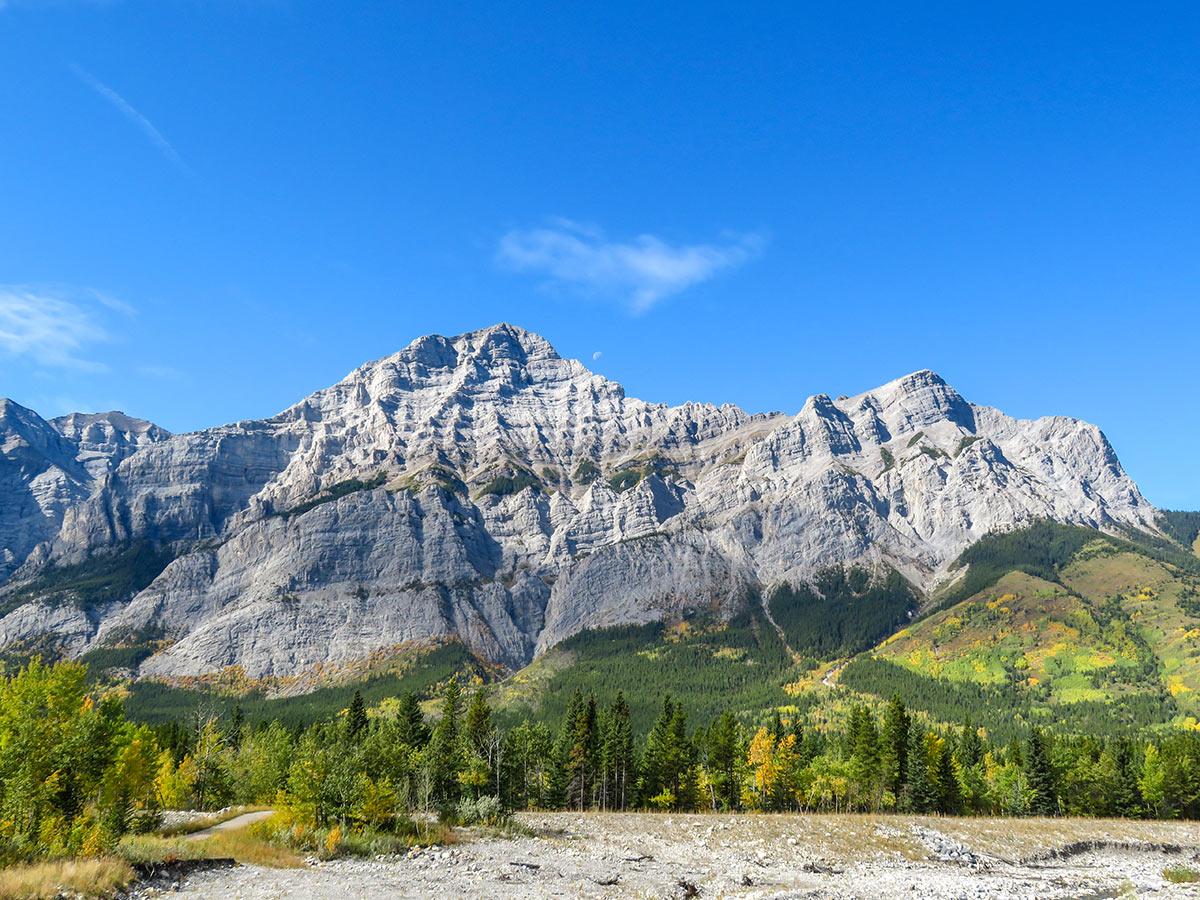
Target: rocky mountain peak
484,487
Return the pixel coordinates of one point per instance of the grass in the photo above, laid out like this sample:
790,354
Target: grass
1181,874
245,845
208,821
83,877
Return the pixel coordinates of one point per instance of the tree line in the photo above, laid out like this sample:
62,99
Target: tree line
75,775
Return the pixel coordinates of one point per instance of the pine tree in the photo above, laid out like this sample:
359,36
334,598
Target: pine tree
444,754
683,774
1124,793
950,799
655,771
482,746
894,749
970,746
581,757
1041,776
776,726
356,718
920,791
559,777
410,722
863,744
724,754
621,751
235,727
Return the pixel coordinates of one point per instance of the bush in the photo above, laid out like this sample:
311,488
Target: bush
483,811
1181,874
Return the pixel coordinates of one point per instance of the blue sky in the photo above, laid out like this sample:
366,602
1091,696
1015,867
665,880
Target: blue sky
211,209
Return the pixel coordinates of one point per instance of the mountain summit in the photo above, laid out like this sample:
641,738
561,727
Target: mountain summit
485,488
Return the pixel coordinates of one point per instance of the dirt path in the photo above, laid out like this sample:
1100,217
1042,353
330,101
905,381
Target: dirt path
232,824
830,679
603,856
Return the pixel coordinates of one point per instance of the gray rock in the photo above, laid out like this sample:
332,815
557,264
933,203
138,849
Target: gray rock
285,563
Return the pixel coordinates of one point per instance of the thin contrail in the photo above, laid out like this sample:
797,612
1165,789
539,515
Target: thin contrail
122,105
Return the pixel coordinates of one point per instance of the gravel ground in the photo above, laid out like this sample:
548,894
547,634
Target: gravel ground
839,858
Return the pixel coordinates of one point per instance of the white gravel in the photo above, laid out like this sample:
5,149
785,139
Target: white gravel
774,857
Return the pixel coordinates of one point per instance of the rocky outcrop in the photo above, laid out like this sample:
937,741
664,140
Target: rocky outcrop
484,487
48,467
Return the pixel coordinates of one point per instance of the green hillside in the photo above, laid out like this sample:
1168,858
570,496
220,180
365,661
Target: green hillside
1055,626
1062,627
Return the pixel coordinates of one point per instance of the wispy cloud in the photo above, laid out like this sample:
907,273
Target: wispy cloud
126,109
50,329
640,272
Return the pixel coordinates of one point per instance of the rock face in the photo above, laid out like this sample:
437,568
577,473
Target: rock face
484,487
47,467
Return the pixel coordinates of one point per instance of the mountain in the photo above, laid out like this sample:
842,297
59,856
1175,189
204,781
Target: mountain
483,488
46,467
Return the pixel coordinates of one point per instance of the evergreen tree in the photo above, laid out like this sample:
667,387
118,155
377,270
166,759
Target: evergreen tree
683,776
950,798
444,755
235,727
920,791
894,749
618,753
776,726
410,722
559,780
970,746
582,756
1041,776
724,753
654,781
1124,793
481,744
356,718
863,744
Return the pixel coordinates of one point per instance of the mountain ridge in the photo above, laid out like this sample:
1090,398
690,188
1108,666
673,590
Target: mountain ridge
484,487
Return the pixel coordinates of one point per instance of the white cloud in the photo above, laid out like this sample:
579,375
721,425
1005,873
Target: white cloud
123,106
640,272
49,329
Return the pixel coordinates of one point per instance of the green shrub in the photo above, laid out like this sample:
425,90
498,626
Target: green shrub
482,811
341,489
625,479
506,485
1181,874
586,472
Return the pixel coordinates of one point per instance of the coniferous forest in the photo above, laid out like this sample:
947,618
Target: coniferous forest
75,775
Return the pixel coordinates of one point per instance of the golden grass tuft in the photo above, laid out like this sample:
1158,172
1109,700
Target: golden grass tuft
86,877
249,849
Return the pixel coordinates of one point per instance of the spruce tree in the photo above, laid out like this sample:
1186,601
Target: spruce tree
724,755
655,769
950,799
970,745
683,777
444,753
581,756
559,776
618,753
920,792
356,718
1125,796
894,749
410,722
235,728
1041,776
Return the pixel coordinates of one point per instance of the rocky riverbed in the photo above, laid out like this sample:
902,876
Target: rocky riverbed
768,856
